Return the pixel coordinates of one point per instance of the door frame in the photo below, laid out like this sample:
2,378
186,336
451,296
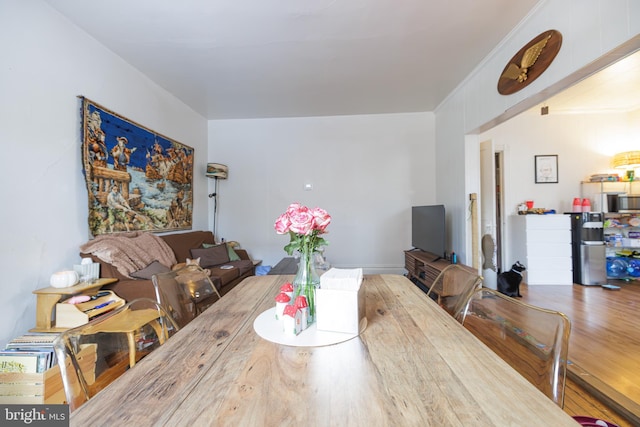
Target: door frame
492,215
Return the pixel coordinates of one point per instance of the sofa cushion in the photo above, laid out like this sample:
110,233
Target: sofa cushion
244,265
226,274
154,268
130,289
233,256
181,243
212,256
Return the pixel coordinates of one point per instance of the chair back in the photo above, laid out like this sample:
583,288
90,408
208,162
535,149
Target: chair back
533,340
93,355
183,293
459,278
457,304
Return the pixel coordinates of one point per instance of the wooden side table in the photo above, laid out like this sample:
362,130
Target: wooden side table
47,298
128,322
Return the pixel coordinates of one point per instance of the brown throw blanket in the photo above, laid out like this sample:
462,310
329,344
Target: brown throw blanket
130,252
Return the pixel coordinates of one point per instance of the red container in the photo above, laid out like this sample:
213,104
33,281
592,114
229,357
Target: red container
577,205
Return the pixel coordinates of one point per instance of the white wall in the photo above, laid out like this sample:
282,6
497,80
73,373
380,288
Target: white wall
590,29
366,171
46,63
584,144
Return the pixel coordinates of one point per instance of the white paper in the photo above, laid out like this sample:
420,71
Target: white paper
342,279
340,311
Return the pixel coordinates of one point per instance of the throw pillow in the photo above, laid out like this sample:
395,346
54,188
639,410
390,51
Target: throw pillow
233,256
154,268
212,256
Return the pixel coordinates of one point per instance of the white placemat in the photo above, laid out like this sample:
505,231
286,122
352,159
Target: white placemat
267,327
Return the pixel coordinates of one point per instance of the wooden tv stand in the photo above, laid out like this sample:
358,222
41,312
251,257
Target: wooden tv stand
424,267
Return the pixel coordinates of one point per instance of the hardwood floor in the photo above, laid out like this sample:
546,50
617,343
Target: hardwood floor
578,401
604,348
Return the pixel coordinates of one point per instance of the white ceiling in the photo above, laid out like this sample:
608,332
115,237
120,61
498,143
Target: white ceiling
284,58
614,89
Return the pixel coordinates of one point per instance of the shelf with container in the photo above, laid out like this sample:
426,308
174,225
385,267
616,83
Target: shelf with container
44,388
622,237
600,192
47,298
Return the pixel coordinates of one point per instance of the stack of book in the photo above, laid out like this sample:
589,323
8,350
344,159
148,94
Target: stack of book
602,177
29,353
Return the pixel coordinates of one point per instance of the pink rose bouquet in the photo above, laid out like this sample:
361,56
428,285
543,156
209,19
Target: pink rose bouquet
305,227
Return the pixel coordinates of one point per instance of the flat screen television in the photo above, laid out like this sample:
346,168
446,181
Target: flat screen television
428,229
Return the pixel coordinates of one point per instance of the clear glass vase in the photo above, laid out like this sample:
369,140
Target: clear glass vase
306,282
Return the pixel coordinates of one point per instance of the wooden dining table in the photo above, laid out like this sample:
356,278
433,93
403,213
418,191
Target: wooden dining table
413,365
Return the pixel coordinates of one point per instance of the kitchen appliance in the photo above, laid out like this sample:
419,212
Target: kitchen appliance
612,203
629,203
588,248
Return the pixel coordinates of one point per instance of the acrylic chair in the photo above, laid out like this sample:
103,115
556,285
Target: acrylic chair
185,293
461,280
533,340
93,355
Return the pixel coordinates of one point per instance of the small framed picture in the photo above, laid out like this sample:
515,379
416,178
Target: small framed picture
546,168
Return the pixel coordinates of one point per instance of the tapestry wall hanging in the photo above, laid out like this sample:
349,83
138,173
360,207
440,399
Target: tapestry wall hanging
136,178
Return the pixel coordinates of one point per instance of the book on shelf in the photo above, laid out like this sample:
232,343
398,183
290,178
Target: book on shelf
33,339
28,352
26,362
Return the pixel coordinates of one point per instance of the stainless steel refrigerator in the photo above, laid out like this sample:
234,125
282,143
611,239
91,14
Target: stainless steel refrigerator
588,248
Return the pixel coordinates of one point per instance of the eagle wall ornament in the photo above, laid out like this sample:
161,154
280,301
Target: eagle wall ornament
530,62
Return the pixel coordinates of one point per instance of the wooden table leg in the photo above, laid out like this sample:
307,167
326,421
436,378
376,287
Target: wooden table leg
45,304
132,348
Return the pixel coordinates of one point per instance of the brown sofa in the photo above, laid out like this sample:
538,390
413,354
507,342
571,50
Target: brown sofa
181,244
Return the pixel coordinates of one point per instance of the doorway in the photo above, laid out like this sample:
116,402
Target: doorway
491,212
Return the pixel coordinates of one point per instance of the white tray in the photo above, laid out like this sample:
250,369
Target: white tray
267,327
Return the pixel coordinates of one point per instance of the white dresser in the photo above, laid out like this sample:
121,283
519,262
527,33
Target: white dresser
543,244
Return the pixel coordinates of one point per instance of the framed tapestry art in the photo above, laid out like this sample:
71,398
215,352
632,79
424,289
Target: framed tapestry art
136,178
